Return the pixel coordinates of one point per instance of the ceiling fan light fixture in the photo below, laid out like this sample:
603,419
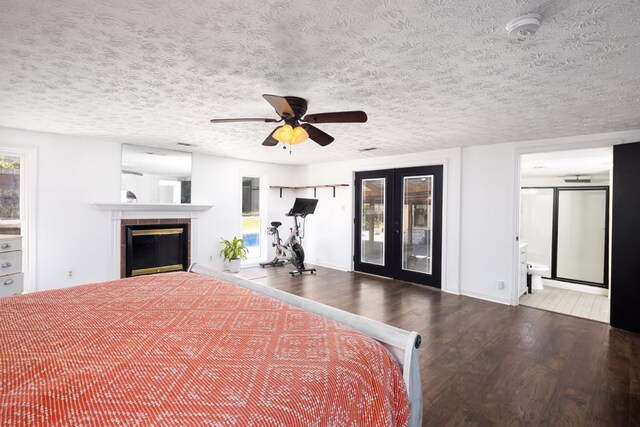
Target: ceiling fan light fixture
292,110
290,135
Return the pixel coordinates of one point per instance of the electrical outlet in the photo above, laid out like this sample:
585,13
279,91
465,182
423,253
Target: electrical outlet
500,284
211,258
70,274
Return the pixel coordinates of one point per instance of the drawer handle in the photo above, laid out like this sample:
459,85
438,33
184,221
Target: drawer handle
8,282
6,264
5,246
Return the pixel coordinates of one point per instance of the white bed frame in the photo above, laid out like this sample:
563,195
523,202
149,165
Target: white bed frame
403,345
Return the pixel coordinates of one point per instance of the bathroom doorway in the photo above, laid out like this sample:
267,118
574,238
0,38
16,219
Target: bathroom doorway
564,231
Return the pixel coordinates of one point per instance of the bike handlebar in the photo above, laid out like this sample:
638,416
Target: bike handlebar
302,215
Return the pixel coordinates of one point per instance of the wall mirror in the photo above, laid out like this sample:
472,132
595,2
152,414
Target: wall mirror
155,175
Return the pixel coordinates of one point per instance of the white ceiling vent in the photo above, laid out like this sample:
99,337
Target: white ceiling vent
525,26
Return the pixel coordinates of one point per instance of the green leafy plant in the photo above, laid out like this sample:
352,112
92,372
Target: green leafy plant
233,249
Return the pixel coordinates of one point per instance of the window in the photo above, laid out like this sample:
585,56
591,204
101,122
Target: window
10,195
251,215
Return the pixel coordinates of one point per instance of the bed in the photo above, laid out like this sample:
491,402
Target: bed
199,348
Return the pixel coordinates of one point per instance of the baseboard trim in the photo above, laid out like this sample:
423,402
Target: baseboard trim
451,291
485,297
335,267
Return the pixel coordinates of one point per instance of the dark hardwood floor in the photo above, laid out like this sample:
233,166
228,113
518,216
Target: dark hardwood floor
483,363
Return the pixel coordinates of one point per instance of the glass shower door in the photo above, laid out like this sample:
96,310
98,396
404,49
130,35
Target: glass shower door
582,235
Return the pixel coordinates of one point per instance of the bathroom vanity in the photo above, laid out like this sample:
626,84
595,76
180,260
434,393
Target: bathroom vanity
522,265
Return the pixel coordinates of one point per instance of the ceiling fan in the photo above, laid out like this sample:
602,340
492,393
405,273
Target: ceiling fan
298,127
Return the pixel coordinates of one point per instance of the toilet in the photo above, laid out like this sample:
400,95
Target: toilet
537,271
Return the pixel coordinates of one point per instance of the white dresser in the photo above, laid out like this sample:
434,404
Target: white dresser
11,276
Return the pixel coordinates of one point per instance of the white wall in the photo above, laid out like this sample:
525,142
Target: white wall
71,234
486,255
329,239
480,212
75,172
490,200
146,187
218,181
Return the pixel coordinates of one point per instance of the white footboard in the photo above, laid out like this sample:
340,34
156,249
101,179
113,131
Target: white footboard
403,345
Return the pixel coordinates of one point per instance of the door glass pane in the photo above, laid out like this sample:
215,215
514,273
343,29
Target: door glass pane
536,224
372,228
9,195
251,215
417,223
581,234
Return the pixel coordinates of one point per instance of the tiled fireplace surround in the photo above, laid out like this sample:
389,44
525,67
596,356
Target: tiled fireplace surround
154,221
122,214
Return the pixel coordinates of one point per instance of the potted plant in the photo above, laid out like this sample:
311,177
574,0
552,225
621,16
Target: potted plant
234,250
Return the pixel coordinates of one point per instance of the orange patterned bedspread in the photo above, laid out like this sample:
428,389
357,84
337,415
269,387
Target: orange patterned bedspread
184,349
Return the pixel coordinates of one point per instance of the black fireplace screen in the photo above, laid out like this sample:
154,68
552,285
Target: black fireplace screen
156,249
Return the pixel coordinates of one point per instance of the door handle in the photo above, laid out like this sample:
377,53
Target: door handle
5,246
8,282
6,264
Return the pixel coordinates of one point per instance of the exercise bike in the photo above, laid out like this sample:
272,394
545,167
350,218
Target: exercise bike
291,250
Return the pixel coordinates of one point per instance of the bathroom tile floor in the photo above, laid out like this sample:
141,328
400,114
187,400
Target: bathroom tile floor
579,304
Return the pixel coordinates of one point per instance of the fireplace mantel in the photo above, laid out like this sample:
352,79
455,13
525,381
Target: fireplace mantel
158,207
145,211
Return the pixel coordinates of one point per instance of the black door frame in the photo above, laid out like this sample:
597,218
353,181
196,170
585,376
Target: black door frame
394,179
379,270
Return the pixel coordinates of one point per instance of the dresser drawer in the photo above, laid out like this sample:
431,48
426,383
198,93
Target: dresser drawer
10,262
10,245
11,284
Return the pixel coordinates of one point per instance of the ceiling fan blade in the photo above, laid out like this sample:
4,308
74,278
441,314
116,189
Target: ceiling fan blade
270,141
281,105
317,135
250,119
337,117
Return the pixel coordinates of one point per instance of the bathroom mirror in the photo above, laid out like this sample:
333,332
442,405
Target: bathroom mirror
155,175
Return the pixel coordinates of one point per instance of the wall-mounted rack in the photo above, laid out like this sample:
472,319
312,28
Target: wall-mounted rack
315,187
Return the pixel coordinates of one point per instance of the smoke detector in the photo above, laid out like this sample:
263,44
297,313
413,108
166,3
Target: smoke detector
524,26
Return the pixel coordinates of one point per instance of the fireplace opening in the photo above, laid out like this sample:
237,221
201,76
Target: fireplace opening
156,248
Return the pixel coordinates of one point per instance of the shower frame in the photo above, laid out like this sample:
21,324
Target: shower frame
554,233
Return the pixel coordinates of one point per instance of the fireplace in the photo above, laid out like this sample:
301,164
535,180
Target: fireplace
154,246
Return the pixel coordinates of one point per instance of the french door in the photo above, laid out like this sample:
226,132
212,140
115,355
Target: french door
398,224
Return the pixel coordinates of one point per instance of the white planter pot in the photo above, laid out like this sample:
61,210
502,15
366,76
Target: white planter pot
234,265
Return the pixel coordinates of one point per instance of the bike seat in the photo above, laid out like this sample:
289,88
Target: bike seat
276,224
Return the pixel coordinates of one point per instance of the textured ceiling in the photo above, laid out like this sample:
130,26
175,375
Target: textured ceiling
429,73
